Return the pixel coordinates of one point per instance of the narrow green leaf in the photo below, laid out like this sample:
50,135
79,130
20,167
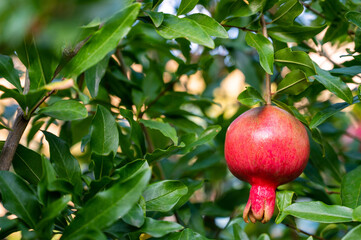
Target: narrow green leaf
173,27
264,48
294,33
294,83
163,153
354,17
157,228
104,136
53,210
320,212
164,195
103,41
354,234
295,60
108,206
18,198
186,6
27,164
292,110
210,25
207,135
94,75
40,62
348,71
8,72
165,128
46,180
65,165
250,97
334,85
323,115
356,214
8,226
283,200
288,11
103,165
66,110
351,188
157,17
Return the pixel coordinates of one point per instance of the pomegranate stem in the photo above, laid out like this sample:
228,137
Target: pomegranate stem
268,93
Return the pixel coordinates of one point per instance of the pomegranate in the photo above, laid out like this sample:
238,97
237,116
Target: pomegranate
266,147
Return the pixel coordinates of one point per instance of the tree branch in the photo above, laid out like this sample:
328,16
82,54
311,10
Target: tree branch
12,141
301,231
241,28
308,6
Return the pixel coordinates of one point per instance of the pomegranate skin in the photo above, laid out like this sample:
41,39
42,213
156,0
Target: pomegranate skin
267,147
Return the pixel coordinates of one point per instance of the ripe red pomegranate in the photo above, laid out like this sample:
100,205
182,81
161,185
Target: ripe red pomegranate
265,146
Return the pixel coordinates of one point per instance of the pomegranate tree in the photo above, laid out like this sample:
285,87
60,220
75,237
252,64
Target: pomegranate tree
266,147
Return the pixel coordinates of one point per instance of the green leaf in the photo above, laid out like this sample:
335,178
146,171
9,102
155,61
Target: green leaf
264,48
283,200
351,188
104,136
157,17
8,226
354,234
103,165
354,17
356,214
163,153
94,75
164,195
294,33
53,210
334,85
18,198
186,6
288,11
8,72
174,27
90,234
40,62
103,41
135,216
211,26
27,164
332,162
165,128
157,228
250,97
65,165
323,115
294,83
292,110
192,185
348,71
295,60
136,130
264,236
207,135
320,212
186,234
48,177
108,206
66,110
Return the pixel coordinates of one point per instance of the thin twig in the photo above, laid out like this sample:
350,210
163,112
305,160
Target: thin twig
48,94
164,91
241,28
268,93
12,140
120,58
301,231
308,6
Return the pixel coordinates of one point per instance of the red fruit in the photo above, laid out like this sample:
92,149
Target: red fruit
267,147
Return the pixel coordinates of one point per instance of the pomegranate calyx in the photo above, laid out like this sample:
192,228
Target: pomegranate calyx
260,205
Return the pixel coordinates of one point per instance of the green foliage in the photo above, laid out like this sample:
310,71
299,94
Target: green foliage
128,103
